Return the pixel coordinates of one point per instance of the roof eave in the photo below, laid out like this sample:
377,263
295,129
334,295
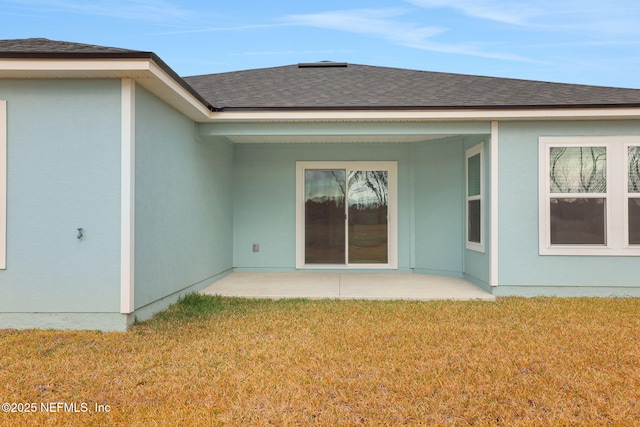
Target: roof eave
78,55
510,113
151,72
145,67
428,107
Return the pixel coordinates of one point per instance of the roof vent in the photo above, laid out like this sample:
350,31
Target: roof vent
322,64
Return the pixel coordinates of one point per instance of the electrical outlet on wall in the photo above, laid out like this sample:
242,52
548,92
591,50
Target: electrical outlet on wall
256,247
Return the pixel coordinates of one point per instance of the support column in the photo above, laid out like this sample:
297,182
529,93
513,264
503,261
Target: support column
493,241
127,201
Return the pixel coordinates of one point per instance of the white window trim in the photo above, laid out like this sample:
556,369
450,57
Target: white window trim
392,255
616,227
476,149
3,184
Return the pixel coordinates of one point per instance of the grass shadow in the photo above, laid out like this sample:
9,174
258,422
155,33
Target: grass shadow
195,307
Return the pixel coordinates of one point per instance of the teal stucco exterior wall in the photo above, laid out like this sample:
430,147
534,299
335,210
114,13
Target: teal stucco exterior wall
522,271
183,205
430,194
63,173
265,198
438,181
201,203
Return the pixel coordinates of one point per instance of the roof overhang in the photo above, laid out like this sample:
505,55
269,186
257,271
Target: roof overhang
339,131
145,71
154,75
463,114
391,126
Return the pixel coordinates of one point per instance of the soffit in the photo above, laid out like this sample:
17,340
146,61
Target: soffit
330,139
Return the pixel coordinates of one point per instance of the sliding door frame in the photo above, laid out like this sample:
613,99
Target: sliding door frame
392,213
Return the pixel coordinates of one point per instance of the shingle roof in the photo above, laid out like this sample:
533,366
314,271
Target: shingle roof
342,86
54,48
40,48
339,86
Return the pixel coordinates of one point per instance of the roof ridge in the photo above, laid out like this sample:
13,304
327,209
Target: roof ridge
415,70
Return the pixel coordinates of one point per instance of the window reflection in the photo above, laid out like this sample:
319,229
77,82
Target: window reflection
324,216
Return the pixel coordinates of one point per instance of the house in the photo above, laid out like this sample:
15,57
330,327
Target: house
124,186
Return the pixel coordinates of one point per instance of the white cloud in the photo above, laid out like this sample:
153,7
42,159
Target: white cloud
510,12
376,22
383,23
616,17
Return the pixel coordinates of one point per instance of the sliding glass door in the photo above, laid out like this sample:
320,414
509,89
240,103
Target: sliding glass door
344,214
368,202
324,215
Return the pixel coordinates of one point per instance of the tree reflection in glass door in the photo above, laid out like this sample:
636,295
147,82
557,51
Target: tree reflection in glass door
368,200
327,206
325,216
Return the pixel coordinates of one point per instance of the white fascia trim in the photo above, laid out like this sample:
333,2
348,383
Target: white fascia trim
48,65
3,185
168,81
445,115
493,201
127,197
146,72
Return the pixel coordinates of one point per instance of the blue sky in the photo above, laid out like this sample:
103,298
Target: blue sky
574,41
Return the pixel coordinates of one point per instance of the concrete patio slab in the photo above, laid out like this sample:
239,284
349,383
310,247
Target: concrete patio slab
347,286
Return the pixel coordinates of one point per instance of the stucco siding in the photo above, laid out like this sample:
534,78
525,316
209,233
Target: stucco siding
63,173
430,191
265,199
439,210
521,269
183,203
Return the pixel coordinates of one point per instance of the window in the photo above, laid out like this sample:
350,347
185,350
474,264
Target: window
633,194
583,208
475,198
578,195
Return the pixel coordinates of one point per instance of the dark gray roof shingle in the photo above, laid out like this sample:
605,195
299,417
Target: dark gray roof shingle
347,86
56,48
40,48
368,87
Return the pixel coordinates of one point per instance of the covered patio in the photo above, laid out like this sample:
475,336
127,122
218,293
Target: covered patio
375,286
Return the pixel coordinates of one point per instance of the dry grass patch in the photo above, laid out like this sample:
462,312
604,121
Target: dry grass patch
214,360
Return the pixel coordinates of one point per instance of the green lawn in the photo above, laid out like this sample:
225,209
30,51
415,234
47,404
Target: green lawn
214,360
